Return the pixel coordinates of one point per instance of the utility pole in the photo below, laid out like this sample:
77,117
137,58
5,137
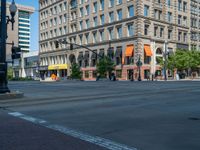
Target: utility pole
3,64
3,30
165,62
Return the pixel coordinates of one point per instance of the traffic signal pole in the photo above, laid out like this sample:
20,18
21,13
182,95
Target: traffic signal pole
3,63
82,46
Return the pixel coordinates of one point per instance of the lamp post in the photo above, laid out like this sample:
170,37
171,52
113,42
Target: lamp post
3,64
139,64
165,61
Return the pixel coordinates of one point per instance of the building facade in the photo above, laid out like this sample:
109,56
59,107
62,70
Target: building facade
27,66
21,33
125,30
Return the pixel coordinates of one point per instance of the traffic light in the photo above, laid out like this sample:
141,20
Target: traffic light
16,52
56,44
71,47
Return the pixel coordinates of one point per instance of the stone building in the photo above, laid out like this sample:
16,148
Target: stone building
123,29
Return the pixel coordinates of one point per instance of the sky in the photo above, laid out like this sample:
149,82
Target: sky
34,22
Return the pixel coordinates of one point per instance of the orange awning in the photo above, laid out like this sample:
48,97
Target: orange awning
129,50
147,50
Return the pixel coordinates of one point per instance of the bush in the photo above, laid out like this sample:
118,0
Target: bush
21,79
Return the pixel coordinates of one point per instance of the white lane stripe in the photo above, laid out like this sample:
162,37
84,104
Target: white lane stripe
92,139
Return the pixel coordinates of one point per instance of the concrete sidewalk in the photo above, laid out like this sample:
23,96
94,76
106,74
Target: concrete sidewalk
17,134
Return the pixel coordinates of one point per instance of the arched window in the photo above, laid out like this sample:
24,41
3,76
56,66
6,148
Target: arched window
159,51
159,56
72,58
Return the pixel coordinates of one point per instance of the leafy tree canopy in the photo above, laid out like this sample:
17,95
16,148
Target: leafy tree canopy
104,66
76,72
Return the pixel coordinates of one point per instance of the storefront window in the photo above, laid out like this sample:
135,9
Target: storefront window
118,73
146,74
147,59
94,74
86,74
158,73
129,60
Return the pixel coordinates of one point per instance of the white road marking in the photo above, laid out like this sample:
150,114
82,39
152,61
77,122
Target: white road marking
67,131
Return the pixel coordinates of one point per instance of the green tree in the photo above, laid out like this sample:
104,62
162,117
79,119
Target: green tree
187,59
182,60
76,72
105,66
10,73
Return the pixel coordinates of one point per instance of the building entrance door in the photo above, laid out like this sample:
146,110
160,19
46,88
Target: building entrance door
130,73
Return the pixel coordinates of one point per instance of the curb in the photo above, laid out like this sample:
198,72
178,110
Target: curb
11,95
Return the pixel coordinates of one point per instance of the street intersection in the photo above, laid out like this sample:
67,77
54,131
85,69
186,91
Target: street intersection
111,115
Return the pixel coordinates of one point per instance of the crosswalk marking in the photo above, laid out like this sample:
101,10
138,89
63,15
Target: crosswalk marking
111,145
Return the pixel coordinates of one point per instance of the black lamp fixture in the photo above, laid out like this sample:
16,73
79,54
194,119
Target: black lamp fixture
139,65
13,10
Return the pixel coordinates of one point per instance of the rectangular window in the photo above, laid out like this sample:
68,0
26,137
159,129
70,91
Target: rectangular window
111,16
101,35
169,34
86,74
119,14
87,9
130,30
155,31
161,32
95,21
94,37
119,32
111,3
86,38
130,11
102,19
119,2
87,23
118,73
179,36
95,7
185,37
81,12
179,19
101,4
184,6
146,10
146,29
169,17
111,34
179,5
168,3
81,25
185,21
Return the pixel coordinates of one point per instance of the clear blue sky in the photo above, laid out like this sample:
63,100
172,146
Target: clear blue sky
34,21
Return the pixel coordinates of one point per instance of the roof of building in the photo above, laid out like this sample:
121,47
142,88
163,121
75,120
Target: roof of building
24,8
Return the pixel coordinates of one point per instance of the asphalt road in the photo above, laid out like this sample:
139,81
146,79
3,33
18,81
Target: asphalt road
142,115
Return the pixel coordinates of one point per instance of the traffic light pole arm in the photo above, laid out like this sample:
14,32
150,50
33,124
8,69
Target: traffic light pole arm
65,42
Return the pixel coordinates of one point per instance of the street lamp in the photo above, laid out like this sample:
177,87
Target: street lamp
165,61
139,64
3,37
13,10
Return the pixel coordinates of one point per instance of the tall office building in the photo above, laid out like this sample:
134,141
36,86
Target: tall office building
125,30
21,33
